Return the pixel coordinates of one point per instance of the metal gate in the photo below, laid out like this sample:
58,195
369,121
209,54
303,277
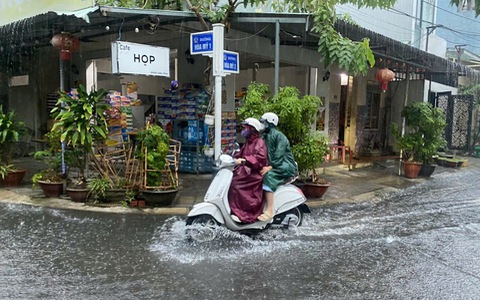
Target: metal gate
458,112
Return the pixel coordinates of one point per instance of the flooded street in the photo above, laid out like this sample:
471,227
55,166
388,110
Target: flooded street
420,243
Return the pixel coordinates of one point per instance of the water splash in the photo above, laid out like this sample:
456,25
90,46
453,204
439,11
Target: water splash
171,243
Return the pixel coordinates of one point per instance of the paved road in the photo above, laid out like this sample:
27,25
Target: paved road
421,242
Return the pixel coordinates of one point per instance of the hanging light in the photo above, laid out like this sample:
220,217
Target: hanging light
66,43
384,76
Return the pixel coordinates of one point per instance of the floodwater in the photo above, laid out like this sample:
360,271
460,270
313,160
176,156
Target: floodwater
420,243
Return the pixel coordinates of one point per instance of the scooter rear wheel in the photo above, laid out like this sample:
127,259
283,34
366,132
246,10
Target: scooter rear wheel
202,228
296,222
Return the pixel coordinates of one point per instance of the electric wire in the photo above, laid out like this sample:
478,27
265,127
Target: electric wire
248,37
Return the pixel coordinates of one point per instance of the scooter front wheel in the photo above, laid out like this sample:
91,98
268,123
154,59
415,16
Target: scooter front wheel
202,228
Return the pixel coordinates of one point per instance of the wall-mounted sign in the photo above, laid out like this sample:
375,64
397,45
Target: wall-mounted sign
132,58
19,80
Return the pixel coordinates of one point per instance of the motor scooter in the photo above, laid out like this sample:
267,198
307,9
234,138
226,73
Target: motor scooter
289,205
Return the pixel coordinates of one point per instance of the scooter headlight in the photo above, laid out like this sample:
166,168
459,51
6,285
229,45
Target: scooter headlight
225,160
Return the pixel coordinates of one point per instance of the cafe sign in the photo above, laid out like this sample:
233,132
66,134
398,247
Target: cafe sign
140,59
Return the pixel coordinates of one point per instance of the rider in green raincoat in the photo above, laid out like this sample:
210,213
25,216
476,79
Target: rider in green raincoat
282,165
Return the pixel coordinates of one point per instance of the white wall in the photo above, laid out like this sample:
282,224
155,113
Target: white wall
288,76
436,87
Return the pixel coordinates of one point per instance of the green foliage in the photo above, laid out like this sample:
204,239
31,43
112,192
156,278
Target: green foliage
155,143
354,56
129,196
310,152
10,131
97,187
81,119
47,175
300,112
52,157
423,137
476,6
255,102
146,4
297,116
5,169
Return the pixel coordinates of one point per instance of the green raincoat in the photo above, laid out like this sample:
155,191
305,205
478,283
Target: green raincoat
280,157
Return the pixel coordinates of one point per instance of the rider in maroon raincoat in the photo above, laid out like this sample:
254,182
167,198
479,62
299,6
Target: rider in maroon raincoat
246,194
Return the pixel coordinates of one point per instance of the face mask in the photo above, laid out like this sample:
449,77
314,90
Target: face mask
245,133
267,127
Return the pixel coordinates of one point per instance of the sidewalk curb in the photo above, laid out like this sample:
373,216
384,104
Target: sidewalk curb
7,196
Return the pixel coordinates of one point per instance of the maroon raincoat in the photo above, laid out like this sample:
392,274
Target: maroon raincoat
246,194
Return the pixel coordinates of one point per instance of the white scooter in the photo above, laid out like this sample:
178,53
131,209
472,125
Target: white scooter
215,210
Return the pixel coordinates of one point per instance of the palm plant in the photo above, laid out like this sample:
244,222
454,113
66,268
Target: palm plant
81,119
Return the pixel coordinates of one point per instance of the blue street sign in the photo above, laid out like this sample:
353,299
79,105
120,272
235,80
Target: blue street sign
201,42
231,62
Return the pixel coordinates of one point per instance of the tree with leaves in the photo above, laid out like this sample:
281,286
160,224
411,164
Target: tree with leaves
467,5
355,57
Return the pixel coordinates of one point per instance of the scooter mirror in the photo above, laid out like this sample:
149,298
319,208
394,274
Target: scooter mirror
236,148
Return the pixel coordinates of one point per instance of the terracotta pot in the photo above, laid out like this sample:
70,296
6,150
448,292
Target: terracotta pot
314,190
411,169
78,194
51,189
159,198
13,179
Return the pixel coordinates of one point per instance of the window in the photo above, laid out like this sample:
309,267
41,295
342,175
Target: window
372,110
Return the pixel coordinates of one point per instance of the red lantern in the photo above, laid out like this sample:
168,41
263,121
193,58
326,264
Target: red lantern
66,43
384,76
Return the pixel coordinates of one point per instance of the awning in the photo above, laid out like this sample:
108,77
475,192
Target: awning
12,11
101,25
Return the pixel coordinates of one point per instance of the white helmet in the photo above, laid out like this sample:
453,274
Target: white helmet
270,118
254,123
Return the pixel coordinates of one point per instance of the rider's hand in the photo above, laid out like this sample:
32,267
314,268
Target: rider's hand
266,169
240,161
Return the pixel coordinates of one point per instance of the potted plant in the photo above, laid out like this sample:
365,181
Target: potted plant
105,189
51,179
159,157
208,150
308,147
81,118
309,154
422,138
10,131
